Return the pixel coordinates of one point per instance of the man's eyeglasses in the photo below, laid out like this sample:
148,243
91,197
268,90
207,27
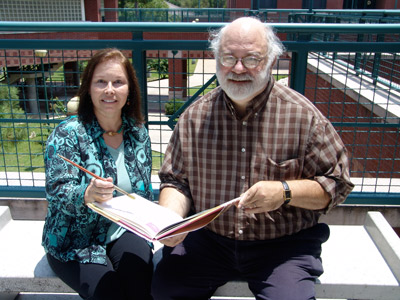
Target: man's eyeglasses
250,62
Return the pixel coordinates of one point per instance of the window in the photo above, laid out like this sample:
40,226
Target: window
317,4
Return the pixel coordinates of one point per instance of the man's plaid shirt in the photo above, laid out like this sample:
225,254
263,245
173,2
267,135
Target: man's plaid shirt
214,156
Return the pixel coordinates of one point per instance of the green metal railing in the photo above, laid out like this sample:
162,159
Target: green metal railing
351,74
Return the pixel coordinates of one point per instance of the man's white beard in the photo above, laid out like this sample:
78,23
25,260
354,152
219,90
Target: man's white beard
246,91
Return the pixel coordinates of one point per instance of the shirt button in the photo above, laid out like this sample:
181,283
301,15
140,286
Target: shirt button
244,123
243,149
243,177
240,231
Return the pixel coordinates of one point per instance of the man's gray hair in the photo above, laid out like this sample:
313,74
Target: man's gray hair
274,45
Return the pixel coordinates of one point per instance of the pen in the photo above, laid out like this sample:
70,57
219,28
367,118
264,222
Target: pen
96,176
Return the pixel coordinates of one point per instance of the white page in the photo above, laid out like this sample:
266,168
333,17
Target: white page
145,213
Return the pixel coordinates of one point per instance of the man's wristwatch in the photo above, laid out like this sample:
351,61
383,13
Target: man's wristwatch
287,193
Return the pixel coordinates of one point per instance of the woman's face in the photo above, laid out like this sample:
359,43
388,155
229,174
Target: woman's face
109,89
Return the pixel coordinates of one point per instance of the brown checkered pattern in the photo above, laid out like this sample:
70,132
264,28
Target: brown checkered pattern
213,157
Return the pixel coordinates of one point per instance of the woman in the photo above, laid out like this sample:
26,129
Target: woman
94,256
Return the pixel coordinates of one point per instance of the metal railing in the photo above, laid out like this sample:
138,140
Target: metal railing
351,74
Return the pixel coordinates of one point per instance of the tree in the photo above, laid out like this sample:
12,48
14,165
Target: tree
9,109
202,3
143,4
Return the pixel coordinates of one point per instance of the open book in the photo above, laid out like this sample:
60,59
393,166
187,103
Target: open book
152,221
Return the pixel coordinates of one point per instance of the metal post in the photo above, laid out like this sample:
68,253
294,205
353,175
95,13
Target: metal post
310,9
299,71
139,63
41,54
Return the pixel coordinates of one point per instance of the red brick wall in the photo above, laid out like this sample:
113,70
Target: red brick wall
111,16
92,10
387,4
334,4
293,4
372,150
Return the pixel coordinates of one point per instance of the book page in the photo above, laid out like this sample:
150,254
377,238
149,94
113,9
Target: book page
147,217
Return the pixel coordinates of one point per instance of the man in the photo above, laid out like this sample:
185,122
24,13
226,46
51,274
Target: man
255,138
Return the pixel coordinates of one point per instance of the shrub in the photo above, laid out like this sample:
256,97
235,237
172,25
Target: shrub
10,109
160,66
172,106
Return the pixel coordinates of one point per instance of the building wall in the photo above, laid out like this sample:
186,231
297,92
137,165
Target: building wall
41,10
291,4
334,4
387,4
287,4
92,10
297,4
379,143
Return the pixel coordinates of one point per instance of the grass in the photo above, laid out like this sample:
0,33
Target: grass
153,74
26,155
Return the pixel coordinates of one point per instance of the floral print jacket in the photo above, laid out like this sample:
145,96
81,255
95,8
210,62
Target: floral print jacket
72,231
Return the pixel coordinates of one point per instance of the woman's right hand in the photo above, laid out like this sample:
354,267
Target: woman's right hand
99,190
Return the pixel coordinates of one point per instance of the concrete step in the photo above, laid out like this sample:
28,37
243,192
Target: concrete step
360,262
48,296
5,216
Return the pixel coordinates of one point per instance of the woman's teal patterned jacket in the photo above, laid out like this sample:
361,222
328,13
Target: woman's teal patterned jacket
72,231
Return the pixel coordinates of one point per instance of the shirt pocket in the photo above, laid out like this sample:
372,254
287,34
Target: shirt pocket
284,170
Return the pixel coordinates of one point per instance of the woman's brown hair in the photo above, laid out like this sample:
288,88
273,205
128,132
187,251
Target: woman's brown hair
133,106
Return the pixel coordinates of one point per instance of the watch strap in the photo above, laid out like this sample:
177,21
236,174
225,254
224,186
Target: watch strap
287,193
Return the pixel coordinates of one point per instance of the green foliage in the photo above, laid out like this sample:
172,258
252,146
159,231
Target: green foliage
9,102
203,3
145,4
155,4
172,106
10,109
59,107
158,65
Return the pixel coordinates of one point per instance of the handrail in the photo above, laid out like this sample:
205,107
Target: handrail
189,27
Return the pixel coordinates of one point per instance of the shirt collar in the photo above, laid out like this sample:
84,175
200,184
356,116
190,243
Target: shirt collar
254,106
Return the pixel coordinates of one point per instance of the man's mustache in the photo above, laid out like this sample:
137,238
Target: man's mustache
238,77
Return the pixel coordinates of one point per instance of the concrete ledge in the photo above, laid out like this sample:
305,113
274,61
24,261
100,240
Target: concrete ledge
361,262
36,209
23,265
26,208
354,266
386,240
5,216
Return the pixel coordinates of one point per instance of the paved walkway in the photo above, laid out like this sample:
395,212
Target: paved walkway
204,70
160,134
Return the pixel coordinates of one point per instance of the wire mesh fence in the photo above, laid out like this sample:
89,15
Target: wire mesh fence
357,90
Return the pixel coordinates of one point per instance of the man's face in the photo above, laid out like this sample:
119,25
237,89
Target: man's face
243,46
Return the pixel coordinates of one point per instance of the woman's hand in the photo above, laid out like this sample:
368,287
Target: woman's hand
99,190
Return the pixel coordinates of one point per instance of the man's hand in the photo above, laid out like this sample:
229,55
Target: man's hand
179,203
265,196
175,240
262,197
